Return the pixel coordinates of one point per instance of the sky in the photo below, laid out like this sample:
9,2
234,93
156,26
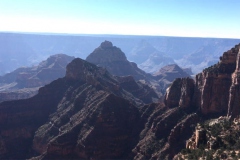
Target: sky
185,18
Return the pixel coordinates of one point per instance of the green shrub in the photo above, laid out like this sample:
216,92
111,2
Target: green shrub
233,154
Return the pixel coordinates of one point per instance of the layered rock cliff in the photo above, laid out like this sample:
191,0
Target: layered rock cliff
92,114
180,94
87,114
188,102
215,90
165,131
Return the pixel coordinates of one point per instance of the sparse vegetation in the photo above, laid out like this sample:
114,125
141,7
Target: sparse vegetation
223,141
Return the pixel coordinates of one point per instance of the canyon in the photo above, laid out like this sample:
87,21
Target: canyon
102,109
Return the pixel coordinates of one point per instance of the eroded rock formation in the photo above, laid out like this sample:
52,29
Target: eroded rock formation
92,114
180,93
24,82
115,61
215,90
87,114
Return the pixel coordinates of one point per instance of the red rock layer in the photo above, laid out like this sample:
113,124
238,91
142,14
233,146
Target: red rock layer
215,91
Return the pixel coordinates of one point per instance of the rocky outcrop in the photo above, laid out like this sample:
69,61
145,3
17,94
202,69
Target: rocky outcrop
167,74
138,89
213,85
108,130
88,114
215,90
24,82
234,96
115,61
20,119
180,93
101,78
164,133
92,114
213,139
170,73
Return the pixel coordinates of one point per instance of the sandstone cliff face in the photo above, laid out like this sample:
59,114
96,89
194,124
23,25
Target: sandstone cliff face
180,93
165,131
213,84
215,90
234,99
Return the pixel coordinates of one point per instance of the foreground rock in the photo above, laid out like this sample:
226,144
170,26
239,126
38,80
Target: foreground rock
87,114
214,139
180,93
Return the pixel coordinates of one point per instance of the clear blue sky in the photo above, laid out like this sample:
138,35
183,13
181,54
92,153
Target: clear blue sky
195,18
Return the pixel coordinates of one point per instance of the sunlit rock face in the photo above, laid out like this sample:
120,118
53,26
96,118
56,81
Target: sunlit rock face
214,83
180,94
215,90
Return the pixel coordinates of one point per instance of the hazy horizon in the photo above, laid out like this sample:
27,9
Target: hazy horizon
177,18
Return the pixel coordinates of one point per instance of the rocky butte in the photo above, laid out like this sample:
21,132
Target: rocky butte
167,74
115,61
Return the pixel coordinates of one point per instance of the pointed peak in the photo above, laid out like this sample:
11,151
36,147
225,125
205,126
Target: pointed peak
78,69
106,44
106,53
